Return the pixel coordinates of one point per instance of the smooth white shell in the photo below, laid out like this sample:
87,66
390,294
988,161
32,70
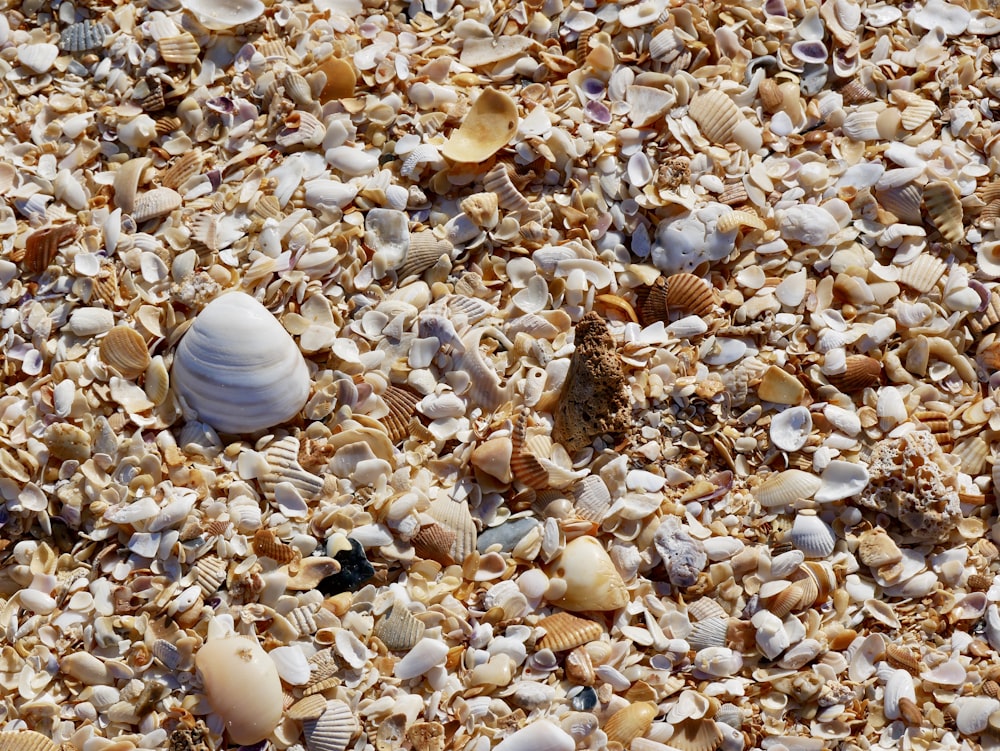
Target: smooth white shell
541,735
219,16
238,369
790,429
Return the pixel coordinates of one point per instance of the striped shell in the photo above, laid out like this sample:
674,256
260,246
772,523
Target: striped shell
917,113
812,535
736,219
155,203
209,574
945,210
652,303
283,462
901,657
785,488
498,181
307,708
855,92
182,49
904,201
861,372
985,319
630,722
185,167
402,404
26,740
734,194
923,274
689,294
710,632
434,542
84,36
332,730
42,245
266,544
716,114
455,516
425,250
697,735
564,631
124,349
591,499
399,629
524,464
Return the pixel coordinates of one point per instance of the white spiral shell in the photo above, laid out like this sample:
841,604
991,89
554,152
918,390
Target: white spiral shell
238,369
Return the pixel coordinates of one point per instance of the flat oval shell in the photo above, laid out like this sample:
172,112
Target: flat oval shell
124,349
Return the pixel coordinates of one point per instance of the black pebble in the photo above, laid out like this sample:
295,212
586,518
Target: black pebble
355,570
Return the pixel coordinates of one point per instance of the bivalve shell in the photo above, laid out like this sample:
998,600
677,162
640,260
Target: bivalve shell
26,740
182,49
697,735
861,372
790,429
785,488
628,723
399,629
945,210
84,36
219,16
332,730
238,369
812,535
564,631
923,274
282,458
540,735
155,203
689,294
716,114
592,581
491,122
124,349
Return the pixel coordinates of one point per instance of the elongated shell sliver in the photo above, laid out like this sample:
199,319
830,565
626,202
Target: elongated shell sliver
238,369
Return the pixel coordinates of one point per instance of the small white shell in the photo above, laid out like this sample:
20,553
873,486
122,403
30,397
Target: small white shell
541,735
974,713
719,662
333,730
841,480
812,535
898,686
238,369
782,488
790,429
425,655
219,16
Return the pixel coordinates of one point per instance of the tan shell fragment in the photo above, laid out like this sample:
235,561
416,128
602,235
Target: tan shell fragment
862,371
26,740
124,349
67,442
630,722
266,544
155,203
425,250
426,736
697,735
399,630
182,49
338,79
183,169
979,322
780,387
690,294
945,210
311,572
923,274
652,303
481,208
876,549
283,459
564,631
917,113
307,708
716,114
487,128
42,245
737,219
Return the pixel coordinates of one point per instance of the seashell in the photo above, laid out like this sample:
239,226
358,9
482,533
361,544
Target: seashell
498,181
630,722
332,730
311,572
307,708
860,372
974,713
182,49
708,632
155,203
238,369
486,129
305,129
898,689
716,114
38,57
917,113
336,79
455,516
786,488
841,480
855,92
592,581
524,465
861,126
652,303
540,735
734,220
481,208
124,349
696,735
402,404
591,499
973,453
84,36
683,556
282,458
219,16
901,657
42,245
987,317
424,251
209,573
904,201
780,387
812,535
267,545
434,542
791,428
877,549
399,630
26,740
186,166
945,211
67,442
148,94
493,458
425,655
242,686
689,294
564,631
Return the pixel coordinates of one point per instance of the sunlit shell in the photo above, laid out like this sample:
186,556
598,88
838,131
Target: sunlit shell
337,79
781,387
209,573
973,453
923,274
266,544
155,203
424,251
861,372
696,735
524,464
402,404
630,722
67,442
498,181
42,245
917,113
737,219
733,195
182,49
988,317
855,92
592,581
455,516
689,294
84,36
238,369
904,201
945,210
434,542
591,499
398,629
709,632
26,740
876,548
487,127
308,708
653,303
812,535
716,114
564,631
903,657
225,14
186,166
283,466
331,731
124,349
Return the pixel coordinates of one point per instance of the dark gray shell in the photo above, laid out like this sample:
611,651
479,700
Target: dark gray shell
84,36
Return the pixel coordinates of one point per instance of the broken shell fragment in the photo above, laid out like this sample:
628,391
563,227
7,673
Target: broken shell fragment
220,15
592,581
486,129
238,369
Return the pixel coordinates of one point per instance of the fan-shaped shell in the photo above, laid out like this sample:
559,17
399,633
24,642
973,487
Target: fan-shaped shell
944,210
709,632
689,294
424,251
696,735
565,631
860,373
987,318
812,535
902,200
783,488
124,349
917,113
402,404
238,369
26,740
283,466
155,203
434,542
628,723
491,122
653,303
41,246
332,730
455,515
185,167
83,36
716,114
591,499
399,629
182,49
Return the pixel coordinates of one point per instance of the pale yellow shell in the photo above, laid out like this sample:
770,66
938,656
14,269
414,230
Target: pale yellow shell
124,349
923,274
182,49
917,113
945,210
491,122
26,740
66,441
780,387
736,219
564,631
697,735
716,114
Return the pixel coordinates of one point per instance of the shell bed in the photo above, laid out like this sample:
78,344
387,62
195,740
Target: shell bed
529,375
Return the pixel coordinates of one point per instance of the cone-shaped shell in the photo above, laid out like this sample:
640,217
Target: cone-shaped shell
592,581
124,349
565,631
486,129
238,369
242,686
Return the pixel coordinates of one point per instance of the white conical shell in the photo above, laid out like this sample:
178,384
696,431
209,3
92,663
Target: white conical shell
238,369
812,535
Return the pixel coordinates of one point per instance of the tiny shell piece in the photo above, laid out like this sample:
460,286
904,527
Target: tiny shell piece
124,349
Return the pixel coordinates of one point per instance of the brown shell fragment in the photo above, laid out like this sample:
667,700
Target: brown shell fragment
434,542
124,349
595,397
41,246
566,631
267,545
523,464
652,303
689,294
402,404
862,371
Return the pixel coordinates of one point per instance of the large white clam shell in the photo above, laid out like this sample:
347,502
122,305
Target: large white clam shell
219,16
238,369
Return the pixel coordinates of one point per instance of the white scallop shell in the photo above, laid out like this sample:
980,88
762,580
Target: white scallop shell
710,632
782,488
238,369
333,730
812,535
790,429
